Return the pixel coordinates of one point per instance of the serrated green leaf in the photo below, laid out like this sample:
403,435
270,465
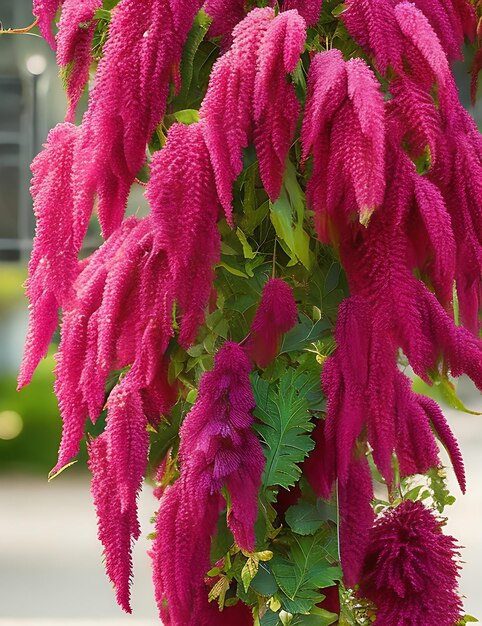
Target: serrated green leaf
196,35
438,488
270,619
305,571
264,582
304,334
306,518
284,426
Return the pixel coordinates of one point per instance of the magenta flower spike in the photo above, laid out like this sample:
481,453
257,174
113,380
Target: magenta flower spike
275,316
411,569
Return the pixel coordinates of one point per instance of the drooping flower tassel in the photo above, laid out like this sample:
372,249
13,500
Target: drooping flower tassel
275,316
74,47
218,449
411,569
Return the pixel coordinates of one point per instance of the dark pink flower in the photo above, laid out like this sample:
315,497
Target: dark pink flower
310,10
411,569
53,265
185,208
74,47
344,129
218,449
46,10
238,106
276,315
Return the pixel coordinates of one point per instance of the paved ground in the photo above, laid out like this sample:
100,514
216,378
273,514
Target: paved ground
51,572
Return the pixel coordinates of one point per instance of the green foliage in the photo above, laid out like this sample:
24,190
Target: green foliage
287,215
285,424
306,569
306,518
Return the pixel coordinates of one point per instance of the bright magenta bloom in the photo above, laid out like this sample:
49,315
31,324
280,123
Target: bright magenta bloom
411,569
74,47
218,449
275,316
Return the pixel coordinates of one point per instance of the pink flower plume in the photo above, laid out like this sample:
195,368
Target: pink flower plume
411,569
276,315
310,10
218,449
185,206
129,98
344,130
53,264
356,518
276,108
46,11
238,106
114,526
74,43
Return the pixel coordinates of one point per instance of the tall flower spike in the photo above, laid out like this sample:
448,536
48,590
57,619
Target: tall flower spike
276,315
185,207
118,461
46,11
368,397
276,107
74,42
218,449
127,269
452,20
113,525
53,265
356,518
225,14
344,130
411,570
238,107
129,98
310,10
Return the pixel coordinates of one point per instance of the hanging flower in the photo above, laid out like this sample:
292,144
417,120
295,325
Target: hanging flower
275,316
218,449
411,569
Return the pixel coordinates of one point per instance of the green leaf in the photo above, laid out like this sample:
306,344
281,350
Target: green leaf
466,620
284,426
442,391
305,572
196,35
304,333
233,270
289,230
186,116
223,540
306,518
270,619
321,618
438,488
332,279
264,582
247,249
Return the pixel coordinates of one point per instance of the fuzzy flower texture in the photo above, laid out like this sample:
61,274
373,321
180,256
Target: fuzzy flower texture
393,170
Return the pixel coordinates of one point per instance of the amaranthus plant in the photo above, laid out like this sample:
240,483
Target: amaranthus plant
313,224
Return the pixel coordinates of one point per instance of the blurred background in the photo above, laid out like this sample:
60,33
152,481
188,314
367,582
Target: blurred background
51,570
